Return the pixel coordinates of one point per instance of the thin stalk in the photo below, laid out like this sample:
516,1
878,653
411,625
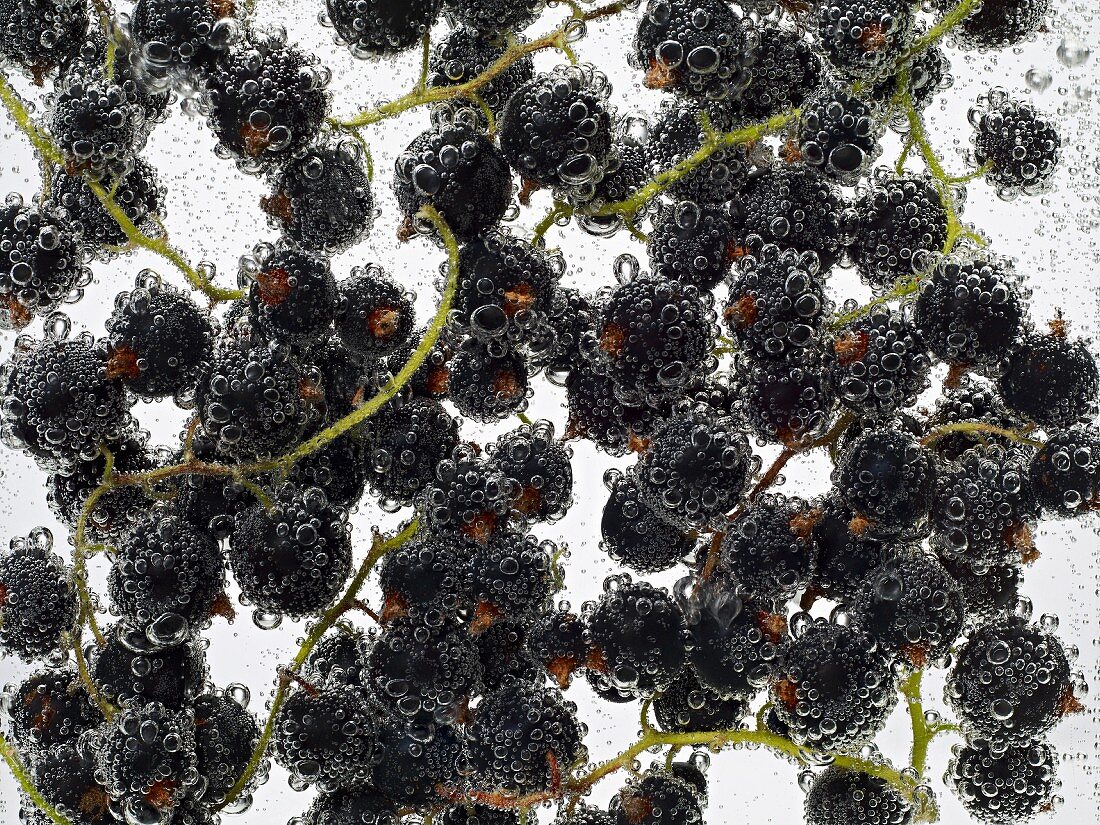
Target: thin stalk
23,777
980,427
516,51
379,548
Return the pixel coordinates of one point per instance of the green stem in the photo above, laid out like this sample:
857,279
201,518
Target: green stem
379,548
431,335
903,288
558,210
663,180
19,770
422,84
515,52
161,246
979,427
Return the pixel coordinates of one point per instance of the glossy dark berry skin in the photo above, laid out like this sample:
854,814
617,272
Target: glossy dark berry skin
158,340
326,736
339,469
1003,786
834,688
969,311
322,200
864,38
51,709
459,172
40,35
37,599
132,73
97,126
844,558
970,401
359,806
988,593
410,762
785,402
598,413
283,85
1002,24
424,574
250,400
638,634
381,27
657,797
167,569
692,244
376,315
1051,380
403,446
912,605
67,780
502,652
840,796
503,750
654,334
179,36
878,364
1021,144
540,466
40,261
678,135
695,470
888,478
58,400
982,508
793,206
488,385
556,129
557,642
510,577
153,770
634,535
432,378
1010,684
768,549
1066,471
295,557
346,377
686,706
698,49
339,656
138,193
494,15
900,225
478,815
424,669
776,303
468,499
293,296
116,510
837,134
466,53
785,70
130,667
736,642
505,288
225,735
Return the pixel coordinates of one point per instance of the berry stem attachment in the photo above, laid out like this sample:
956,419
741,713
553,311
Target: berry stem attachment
431,335
903,288
52,156
746,135
19,771
379,548
422,96
922,732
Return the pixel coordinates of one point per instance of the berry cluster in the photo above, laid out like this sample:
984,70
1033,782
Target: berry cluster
314,393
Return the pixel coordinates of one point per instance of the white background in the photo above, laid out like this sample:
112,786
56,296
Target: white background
214,215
